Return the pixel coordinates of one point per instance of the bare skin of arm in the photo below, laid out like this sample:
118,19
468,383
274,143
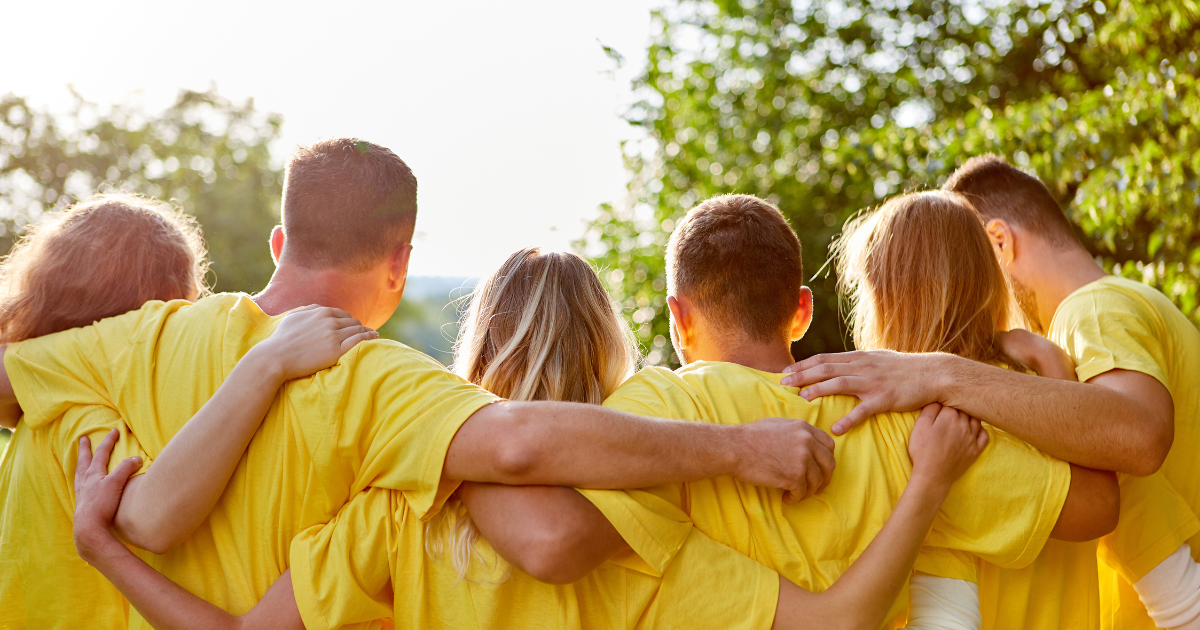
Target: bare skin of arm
164,506
554,534
944,445
1120,420
588,446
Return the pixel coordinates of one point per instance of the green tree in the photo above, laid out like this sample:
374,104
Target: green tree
205,153
827,107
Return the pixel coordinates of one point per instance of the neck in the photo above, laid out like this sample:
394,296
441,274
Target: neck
767,357
1063,271
293,286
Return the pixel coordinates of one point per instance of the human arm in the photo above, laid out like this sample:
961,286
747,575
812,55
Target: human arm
1037,353
588,446
944,443
165,505
164,604
1120,420
552,533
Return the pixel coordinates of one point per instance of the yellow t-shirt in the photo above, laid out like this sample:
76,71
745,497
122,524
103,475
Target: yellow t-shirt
1001,510
1116,323
378,540
43,582
383,416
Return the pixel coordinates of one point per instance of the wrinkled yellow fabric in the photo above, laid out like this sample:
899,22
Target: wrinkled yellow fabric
369,563
383,416
1118,324
43,582
1001,510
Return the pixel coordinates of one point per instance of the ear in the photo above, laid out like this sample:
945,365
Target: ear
397,267
277,243
804,315
1000,233
682,317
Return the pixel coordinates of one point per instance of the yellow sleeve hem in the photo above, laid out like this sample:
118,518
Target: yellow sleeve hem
430,496
304,587
1056,496
21,382
766,600
1095,368
1134,569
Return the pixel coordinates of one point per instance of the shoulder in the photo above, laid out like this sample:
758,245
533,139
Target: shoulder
648,392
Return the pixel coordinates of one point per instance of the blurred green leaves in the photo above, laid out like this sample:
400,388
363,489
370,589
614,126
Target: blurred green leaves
826,107
207,154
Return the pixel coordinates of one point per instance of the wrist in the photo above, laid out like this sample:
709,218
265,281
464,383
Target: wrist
944,379
931,486
96,544
731,445
261,363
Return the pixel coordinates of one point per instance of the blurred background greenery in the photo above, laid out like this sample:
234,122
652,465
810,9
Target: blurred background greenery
829,107
824,107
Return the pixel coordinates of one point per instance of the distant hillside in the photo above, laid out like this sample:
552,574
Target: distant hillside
427,318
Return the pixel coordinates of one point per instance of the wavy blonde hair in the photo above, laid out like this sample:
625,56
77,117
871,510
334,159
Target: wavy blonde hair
541,327
104,256
919,275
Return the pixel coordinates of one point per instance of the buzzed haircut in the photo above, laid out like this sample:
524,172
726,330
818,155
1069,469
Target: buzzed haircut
999,190
347,203
739,260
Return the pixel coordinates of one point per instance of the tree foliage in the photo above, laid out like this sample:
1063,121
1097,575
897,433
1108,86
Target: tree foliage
205,153
826,107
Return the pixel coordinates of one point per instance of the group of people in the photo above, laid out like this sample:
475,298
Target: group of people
1011,446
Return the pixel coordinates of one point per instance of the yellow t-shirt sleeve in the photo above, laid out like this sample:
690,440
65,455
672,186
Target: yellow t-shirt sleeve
50,374
1155,521
95,422
1004,507
418,407
341,574
749,591
948,563
652,521
1110,329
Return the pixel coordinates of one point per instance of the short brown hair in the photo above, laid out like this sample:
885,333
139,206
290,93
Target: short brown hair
346,203
999,190
104,256
738,258
920,276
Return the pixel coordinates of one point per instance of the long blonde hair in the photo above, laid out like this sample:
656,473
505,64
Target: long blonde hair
541,327
919,275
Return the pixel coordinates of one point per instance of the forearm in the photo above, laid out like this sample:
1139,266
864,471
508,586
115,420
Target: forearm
164,604
165,505
585,446
1086,424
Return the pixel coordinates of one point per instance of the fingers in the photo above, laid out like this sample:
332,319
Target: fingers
827,463
354,340
981,442
85,457
104,451
819,359
115,481
856,416
822,437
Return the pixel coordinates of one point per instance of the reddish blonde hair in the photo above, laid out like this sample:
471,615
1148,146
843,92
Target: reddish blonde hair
104,256
920,276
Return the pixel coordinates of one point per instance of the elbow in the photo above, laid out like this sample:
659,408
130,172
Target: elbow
1153,451
1103,510
517,451
147,535
556,555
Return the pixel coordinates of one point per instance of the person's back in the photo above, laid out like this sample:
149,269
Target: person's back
813,542
736,302
324,437
104,256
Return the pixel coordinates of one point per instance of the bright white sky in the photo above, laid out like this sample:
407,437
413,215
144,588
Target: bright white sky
504,110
